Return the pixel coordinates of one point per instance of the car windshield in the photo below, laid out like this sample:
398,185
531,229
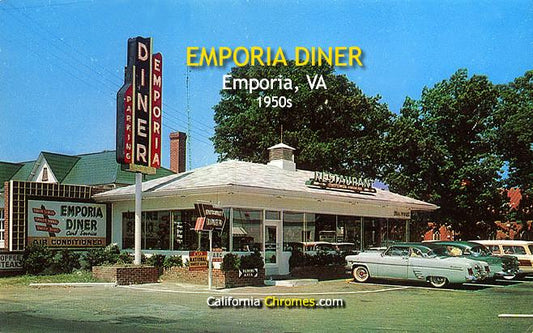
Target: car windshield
428,253
480,251
441,251
421,252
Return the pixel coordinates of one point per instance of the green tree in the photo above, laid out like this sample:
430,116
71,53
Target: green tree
441,150
514,117
338,129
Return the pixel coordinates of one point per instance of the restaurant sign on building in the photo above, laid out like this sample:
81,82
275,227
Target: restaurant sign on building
65,224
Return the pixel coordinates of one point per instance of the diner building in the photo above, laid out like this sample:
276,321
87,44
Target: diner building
271,208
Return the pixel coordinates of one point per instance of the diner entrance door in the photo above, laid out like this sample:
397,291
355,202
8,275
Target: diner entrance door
272,250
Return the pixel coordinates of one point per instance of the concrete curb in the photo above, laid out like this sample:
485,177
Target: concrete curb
291,283
74,284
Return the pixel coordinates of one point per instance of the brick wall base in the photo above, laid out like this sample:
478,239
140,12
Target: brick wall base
320,273
11,273
220,279
125,275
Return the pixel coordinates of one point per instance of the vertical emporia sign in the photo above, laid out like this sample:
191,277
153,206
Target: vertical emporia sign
139,109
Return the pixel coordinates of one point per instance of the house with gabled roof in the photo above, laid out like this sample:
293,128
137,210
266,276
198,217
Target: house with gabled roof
56,178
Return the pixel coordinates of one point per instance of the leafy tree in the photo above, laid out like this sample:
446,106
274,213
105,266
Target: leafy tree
514,117
338,129
441,150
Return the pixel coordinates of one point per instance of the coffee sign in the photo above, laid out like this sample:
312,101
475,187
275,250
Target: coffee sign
139,109
10,261
66,224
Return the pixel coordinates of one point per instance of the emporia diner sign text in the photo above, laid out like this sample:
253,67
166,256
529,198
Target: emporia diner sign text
139,109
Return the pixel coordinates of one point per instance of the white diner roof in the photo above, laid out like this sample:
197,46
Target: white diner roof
253,178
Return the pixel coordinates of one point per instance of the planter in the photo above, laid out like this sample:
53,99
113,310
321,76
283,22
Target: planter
126,275
232,279
319,272
220,279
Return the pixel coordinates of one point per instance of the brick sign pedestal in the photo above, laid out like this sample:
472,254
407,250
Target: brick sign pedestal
126,275
220,279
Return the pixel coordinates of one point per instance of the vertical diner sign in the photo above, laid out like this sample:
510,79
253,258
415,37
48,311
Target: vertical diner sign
139,109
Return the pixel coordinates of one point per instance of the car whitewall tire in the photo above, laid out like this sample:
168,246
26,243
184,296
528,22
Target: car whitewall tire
360,274
438,281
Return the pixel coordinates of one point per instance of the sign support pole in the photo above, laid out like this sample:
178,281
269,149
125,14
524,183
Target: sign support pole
138,212
210,259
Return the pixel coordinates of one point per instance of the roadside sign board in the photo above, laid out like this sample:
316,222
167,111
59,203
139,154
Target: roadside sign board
65,224
248,272
198,260
217,255
209,217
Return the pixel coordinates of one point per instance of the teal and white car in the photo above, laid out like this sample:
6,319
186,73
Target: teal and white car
409,261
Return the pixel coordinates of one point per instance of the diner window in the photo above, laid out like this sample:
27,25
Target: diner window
155,230
185,238
164,230
272,215
349,230
293,230
395,230
309,227
325,228
128,230
374,229
247,233
2,227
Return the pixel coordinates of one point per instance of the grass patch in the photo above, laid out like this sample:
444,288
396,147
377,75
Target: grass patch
24,280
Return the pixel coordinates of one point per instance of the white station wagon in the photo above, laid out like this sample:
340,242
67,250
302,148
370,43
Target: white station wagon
523,250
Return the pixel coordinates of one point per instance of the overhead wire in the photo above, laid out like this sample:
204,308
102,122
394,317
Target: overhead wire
110,83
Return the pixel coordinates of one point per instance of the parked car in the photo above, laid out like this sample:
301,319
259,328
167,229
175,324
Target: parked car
410,261
522,250
345,247
505,266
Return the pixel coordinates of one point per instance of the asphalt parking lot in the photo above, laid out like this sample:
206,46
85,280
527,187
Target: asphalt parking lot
378,306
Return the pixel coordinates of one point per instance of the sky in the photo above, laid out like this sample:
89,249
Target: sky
62,62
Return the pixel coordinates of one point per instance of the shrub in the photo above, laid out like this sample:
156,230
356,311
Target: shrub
36,259
101,256
172,261
66,261
125,258
297,259
112,253
94,257
253,260
230,262
156,260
